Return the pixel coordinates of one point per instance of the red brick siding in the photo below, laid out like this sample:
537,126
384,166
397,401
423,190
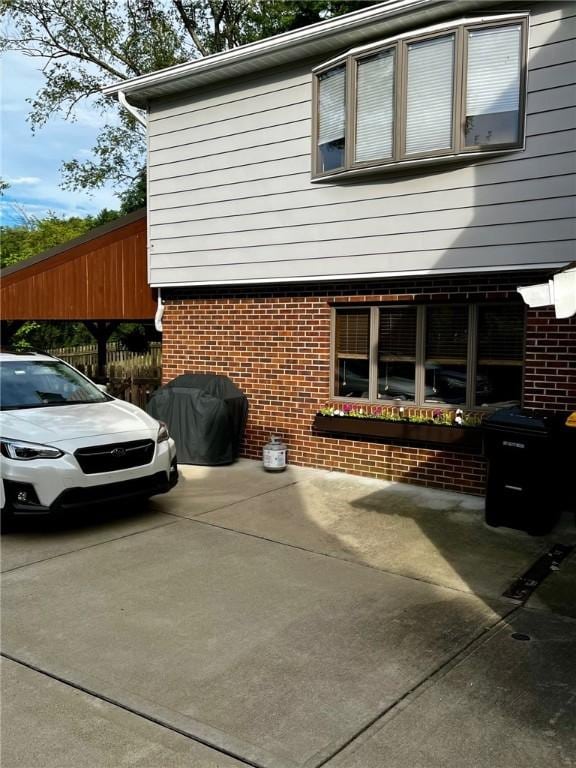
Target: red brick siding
275,344
550,371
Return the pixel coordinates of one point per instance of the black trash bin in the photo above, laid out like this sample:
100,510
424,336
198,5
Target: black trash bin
522,451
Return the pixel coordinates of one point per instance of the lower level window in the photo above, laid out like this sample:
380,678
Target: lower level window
448,355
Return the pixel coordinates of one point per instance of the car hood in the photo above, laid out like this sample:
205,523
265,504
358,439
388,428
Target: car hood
64,422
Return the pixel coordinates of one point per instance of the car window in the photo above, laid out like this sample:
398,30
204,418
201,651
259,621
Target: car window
36,384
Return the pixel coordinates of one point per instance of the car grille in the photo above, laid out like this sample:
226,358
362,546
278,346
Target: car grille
115,456
142,486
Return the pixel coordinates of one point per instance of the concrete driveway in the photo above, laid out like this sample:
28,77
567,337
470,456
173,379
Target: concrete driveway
291,620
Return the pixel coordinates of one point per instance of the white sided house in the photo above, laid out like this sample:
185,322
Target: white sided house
340,217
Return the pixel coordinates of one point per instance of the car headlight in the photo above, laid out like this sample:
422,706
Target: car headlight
163,433
22,451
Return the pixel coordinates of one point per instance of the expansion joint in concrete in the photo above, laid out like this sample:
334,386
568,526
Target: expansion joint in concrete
320,760
89,546
132,710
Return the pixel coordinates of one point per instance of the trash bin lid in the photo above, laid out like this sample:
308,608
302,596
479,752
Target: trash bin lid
518,420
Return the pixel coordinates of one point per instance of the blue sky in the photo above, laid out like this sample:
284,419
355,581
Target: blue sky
31,162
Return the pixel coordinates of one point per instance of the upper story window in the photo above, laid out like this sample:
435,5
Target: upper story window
444,92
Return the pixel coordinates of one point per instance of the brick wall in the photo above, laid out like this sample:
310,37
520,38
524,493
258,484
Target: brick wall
275,344
550,371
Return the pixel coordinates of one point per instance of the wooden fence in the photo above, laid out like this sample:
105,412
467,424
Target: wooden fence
133,376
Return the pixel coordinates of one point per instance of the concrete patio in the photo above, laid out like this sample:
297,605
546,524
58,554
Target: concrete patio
285,620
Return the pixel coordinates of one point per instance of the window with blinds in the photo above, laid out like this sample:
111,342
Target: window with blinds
446,362
432,94
493,86
451,354
332,118
352,345
375,107
397,328
500,355
429,95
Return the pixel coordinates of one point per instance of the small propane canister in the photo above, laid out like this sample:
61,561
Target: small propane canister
274,455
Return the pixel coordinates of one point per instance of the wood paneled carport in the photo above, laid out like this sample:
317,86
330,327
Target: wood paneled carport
99,279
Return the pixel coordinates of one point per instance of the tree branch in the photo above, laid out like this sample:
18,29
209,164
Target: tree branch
191,26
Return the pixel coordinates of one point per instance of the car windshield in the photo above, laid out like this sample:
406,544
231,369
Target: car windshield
40,384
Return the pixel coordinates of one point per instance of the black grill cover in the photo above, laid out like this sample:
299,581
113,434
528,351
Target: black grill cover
205,414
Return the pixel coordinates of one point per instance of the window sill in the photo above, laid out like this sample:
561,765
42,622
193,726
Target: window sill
462,158
453,438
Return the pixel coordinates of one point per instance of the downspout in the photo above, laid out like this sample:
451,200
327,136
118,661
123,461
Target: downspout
137,116
159,313
129,108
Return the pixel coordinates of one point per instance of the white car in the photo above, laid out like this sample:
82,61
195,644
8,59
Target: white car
65,444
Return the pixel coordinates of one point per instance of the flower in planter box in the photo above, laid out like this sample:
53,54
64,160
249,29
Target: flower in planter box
438,416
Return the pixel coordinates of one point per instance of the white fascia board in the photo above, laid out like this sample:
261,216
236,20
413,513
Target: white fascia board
286,40
363,276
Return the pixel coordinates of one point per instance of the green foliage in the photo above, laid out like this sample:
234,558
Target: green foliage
134,197
33,236
87,44
136,337
30,238
47,335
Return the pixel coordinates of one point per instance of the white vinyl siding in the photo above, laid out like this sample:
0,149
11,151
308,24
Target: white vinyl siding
224,209
375,107
430,95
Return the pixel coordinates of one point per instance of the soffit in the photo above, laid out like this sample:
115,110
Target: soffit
325,38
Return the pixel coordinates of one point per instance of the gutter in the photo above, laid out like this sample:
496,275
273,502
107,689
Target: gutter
129,108
559,291
273,45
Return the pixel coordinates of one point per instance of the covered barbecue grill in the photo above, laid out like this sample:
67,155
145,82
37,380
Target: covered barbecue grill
205,414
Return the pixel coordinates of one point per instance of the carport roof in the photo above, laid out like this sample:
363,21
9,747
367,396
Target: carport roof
101,275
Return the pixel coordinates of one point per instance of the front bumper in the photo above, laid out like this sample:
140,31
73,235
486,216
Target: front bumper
82,497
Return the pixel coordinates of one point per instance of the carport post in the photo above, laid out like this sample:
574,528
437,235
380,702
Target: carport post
101,330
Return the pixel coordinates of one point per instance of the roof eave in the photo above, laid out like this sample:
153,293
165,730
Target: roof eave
280,49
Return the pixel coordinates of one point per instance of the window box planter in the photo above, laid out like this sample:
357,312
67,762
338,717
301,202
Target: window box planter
453,438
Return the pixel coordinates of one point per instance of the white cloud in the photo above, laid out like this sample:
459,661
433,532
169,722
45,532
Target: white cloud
27,180
32,164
